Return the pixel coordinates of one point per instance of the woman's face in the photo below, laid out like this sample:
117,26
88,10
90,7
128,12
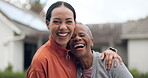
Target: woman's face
81,43
61,25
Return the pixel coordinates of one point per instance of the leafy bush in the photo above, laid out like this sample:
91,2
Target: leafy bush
8,73
137,74
9,68
12,75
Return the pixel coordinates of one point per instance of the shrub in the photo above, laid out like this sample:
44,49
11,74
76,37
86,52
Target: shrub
9,68
8,73
12,75
137,74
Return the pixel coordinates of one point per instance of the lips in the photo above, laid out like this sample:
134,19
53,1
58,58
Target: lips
62,34
78,46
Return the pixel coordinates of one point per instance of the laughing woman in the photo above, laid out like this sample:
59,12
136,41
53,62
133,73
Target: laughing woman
89,63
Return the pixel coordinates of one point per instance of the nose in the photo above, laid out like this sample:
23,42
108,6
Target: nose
77,38
63,26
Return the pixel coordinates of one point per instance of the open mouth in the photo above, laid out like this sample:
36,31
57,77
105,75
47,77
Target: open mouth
79,46
62,34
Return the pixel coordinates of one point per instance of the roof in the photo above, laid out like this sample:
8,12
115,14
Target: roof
22,16
135,29
106,33
10,25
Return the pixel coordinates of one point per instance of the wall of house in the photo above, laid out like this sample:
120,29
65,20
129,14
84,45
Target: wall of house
11,50
138,54
5,47
122,51
18,55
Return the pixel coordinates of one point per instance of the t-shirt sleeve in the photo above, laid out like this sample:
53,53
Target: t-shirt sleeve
120,71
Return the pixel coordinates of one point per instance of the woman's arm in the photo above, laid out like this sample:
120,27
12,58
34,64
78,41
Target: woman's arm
110,55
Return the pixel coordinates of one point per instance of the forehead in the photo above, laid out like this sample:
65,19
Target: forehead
80,28
62,10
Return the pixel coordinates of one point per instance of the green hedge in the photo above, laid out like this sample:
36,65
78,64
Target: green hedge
137,74
9,74
12,75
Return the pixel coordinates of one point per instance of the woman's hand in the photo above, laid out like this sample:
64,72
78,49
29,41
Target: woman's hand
110,55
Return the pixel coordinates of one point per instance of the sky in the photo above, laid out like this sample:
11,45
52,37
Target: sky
106,11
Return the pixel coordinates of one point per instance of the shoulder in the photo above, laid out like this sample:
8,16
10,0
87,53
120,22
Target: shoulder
40,54
43,52
38,63
98,67
121,71
40,58
97,62
96,54
97,59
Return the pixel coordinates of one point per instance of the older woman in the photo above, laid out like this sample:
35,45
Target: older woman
89,63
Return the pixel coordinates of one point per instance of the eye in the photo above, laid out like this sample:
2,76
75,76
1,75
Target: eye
82,35
69,22
56,22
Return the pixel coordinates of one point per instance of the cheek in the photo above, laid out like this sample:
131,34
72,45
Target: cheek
53,27
72,29
52,30
89,42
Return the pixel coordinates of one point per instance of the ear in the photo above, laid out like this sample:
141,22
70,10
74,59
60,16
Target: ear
92,42
47,24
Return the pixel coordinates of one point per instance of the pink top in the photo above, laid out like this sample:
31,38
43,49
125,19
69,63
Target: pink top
86,73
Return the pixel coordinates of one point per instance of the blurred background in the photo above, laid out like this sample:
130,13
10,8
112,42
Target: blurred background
122,24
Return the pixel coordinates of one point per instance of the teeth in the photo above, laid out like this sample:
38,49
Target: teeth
79,45
65,34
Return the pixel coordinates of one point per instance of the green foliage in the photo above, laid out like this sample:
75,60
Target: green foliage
9,68
12,75
36,2
8,73
137,74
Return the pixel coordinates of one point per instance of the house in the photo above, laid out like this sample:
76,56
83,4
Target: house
129,38
21,33
11,47
109,35
136,34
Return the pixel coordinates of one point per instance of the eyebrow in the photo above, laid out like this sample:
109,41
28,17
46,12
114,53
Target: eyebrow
68,18
57,18
60,19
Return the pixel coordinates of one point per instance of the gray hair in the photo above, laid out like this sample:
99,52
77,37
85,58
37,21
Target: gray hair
87,28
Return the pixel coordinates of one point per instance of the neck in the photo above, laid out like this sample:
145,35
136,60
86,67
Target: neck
86,61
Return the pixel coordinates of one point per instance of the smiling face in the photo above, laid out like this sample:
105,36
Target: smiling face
61,25
81,41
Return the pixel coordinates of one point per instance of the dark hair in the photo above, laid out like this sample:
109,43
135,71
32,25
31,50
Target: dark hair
57,4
